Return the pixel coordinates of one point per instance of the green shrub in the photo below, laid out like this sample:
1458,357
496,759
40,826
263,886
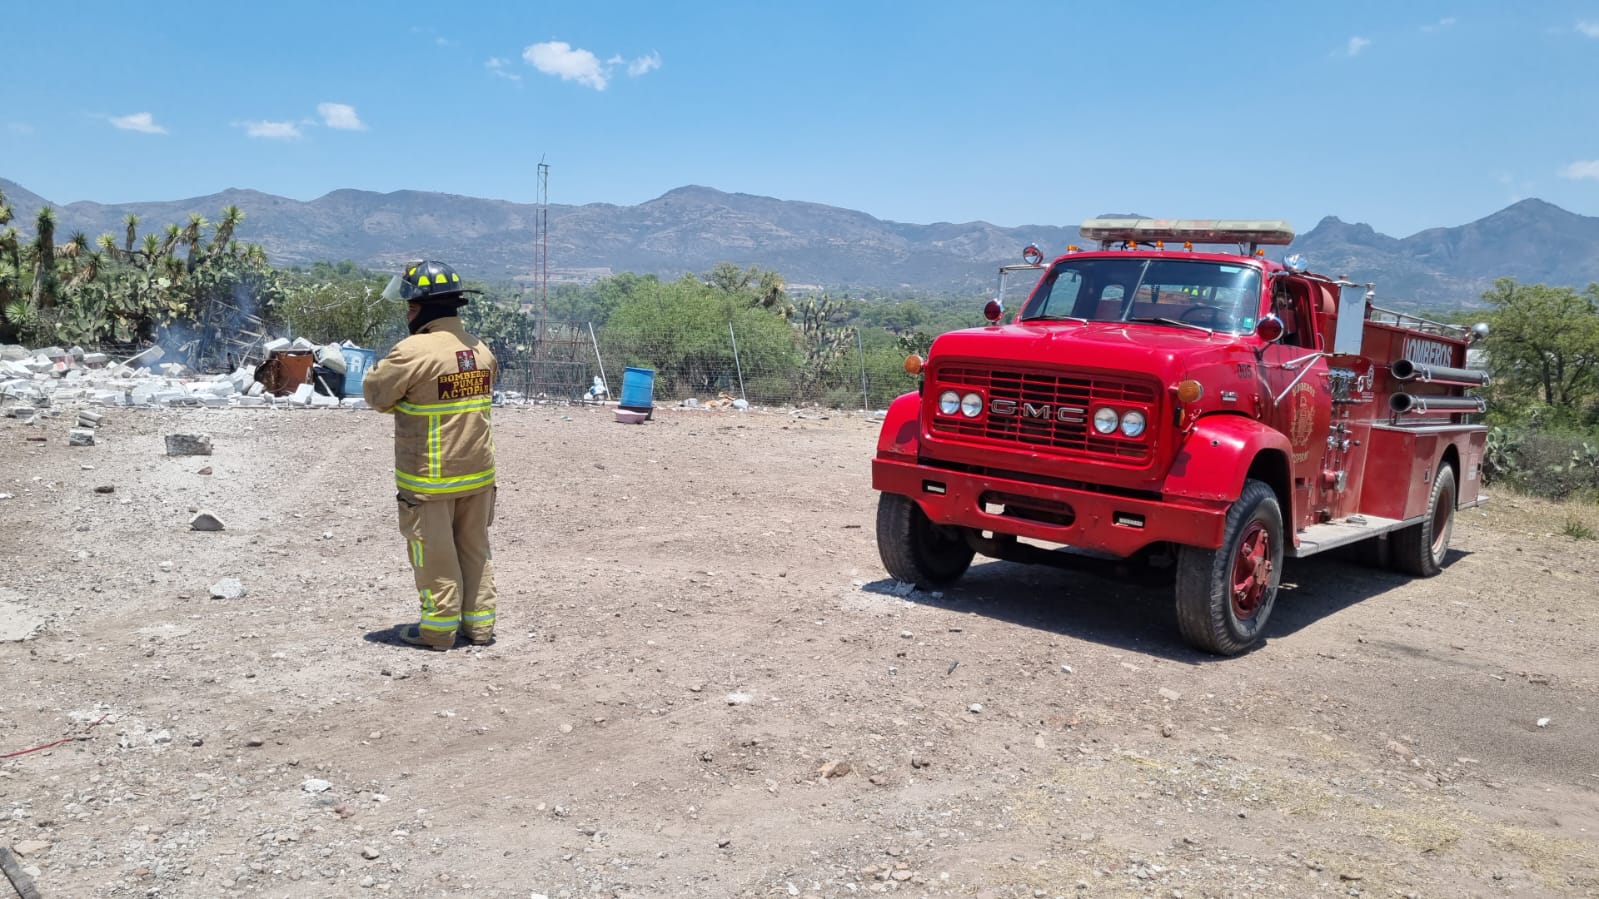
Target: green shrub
1543,463
1576,529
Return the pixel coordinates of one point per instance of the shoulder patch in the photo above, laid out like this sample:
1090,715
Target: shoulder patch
465,360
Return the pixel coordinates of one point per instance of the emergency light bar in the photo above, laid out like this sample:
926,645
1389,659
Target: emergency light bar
1239,231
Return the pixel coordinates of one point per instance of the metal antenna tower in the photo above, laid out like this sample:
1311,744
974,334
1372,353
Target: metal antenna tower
541,225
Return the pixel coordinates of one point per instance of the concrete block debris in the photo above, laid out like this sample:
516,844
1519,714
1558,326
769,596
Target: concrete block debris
228,588
188,445
81,437
205,521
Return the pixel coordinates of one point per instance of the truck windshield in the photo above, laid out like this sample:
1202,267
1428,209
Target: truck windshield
1212,295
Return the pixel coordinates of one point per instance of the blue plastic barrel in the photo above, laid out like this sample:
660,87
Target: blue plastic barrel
638,389
356,362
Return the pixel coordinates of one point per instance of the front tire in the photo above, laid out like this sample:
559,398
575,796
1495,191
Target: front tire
1420,548
914,549
1225,595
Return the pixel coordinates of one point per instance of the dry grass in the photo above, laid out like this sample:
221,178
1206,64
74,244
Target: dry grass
1509,511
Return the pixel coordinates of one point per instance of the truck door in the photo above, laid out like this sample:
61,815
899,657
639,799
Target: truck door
1299,404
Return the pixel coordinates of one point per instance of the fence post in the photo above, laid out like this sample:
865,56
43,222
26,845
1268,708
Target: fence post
600,362
737,364
866,403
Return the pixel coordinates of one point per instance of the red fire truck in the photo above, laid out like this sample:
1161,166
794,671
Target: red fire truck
1213,411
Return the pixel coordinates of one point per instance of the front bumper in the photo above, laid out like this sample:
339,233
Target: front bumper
1105,522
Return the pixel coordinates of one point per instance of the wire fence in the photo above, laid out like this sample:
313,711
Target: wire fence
563,365
560,362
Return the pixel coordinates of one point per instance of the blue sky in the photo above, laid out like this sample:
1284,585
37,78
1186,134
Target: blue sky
1406,116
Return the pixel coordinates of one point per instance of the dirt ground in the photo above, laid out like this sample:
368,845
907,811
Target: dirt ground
704,685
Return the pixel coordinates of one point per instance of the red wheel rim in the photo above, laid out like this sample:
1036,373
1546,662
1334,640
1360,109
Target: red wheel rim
1251,571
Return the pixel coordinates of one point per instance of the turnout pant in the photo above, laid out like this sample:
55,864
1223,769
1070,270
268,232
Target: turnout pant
448,539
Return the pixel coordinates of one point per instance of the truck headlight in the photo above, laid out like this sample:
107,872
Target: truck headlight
949,402
1133,423
971,405
1105,420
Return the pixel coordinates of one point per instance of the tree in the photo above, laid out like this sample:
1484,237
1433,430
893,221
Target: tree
44,259
11,246
131,223
757,287
191,237
680,329
1544,341
223,235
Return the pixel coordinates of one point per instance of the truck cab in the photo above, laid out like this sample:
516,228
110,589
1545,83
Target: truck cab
1216,407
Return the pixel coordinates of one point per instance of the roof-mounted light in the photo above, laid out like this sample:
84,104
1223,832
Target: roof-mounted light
1205,231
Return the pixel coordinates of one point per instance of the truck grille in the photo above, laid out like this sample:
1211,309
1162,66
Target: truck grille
1079,393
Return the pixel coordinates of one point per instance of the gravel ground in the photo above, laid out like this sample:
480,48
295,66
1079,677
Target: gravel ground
704,685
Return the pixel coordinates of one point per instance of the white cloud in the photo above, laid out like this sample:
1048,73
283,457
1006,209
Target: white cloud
500,68
644,64
1588,29
1440,25
341,116
568,63
1584,169
1356,45
139,121
272,130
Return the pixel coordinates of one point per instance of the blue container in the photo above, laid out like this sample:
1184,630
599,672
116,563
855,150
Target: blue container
638,389
356,362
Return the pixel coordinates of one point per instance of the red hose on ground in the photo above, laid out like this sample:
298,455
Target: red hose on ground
12,755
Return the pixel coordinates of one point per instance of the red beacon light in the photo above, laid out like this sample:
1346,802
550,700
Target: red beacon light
992,310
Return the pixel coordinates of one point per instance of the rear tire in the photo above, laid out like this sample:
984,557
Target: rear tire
914,549
1420,548
1225,595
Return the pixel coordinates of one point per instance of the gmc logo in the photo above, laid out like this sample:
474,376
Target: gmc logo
1041,411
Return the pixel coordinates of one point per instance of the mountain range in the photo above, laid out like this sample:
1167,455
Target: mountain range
690,229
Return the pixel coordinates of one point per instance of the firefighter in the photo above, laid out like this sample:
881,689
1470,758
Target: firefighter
439,385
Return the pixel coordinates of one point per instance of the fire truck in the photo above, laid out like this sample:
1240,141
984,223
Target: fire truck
1209,411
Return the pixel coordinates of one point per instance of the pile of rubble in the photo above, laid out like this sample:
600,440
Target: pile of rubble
35,380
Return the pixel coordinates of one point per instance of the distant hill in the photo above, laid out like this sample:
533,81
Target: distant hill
690,229
1531,241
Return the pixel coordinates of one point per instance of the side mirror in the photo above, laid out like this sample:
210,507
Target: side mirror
1032,255
1269,329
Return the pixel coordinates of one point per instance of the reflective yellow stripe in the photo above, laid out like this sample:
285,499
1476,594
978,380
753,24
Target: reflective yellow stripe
421,484
440,623
416,553
475,404
435,451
